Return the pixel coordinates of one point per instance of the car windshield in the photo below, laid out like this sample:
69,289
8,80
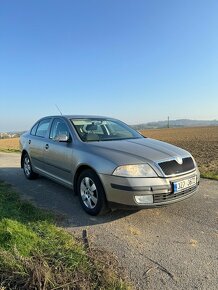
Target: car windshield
96,129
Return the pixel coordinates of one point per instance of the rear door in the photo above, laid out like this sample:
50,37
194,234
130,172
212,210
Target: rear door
37,141
58,156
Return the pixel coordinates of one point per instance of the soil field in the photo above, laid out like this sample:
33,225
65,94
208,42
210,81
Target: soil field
201,142
9,145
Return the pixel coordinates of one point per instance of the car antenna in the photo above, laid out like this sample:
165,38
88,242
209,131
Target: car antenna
58,109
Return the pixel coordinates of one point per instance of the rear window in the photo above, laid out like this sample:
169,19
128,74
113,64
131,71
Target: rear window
34,128
43,128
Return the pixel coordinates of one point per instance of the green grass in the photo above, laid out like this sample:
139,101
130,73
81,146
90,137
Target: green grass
210,175
9,150
36,254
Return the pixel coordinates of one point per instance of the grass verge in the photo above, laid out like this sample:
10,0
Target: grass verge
10,150
9,145
36,254
210,175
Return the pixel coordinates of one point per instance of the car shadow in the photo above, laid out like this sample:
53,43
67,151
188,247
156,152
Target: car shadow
49,195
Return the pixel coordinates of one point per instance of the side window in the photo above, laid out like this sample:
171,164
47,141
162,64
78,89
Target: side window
58,128
33,130
43,128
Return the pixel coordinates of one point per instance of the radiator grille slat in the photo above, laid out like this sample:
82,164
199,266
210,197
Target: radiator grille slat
172,196
172,167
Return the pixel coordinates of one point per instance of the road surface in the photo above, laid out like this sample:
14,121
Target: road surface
174,247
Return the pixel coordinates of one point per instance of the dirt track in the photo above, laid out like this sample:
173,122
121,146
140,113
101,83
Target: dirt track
174,247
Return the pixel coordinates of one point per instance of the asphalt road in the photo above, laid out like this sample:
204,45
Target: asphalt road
174,247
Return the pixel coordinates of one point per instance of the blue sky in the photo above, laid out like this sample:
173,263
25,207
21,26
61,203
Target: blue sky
135,60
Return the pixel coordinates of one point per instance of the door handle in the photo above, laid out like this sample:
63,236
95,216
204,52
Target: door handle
29,141
46,146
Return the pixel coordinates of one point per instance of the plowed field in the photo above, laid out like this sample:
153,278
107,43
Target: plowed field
201,142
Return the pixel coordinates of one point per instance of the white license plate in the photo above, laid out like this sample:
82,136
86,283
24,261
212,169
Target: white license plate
183,184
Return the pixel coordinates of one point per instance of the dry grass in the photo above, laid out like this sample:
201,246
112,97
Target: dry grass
9,145
201,142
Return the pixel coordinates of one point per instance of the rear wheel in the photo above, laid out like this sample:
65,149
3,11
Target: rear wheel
27,168
91,193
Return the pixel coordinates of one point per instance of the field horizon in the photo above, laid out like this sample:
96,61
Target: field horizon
201,142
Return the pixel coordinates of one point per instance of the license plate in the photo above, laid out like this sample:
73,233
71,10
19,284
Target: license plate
183,184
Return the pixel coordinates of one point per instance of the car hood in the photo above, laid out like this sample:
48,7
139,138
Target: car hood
138,150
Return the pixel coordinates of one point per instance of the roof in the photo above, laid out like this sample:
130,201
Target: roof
80,116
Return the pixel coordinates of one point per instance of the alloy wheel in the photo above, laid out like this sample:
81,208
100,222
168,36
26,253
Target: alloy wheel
27,166
89,193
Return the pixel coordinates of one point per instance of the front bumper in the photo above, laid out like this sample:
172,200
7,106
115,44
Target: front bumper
123,191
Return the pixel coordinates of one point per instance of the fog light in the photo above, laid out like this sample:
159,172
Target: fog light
144,198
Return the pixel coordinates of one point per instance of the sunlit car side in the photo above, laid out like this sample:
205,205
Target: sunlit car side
107,163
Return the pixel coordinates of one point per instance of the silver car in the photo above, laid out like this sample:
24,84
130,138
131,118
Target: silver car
107,163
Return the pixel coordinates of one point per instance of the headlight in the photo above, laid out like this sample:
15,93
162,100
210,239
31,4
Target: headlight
138,170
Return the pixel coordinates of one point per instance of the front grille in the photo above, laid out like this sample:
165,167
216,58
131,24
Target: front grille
172,167
162,197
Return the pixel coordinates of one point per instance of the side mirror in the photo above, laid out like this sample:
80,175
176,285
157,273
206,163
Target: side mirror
63,138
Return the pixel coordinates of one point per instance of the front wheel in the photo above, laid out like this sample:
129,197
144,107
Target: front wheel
91,193
27,168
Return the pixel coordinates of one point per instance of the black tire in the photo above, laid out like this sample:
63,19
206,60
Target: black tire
91,193
27,168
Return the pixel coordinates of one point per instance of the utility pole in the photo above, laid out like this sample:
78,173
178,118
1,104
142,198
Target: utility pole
168,122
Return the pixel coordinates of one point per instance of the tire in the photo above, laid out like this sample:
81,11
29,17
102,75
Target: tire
91,193
27,168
